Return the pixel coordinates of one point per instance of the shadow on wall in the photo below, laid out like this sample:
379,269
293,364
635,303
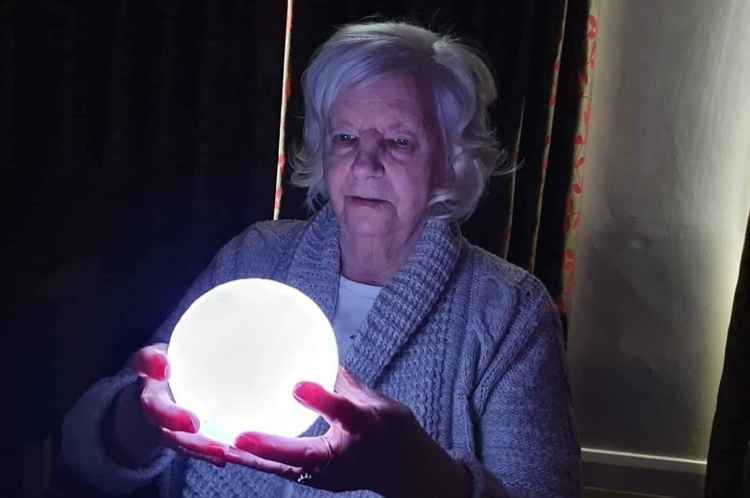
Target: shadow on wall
662,233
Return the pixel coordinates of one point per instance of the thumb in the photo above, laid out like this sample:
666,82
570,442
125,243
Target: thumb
333,407
151,361
349,386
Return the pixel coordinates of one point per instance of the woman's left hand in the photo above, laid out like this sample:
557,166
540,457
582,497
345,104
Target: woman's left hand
373,443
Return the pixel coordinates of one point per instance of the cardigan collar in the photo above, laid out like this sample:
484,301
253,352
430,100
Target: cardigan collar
401,306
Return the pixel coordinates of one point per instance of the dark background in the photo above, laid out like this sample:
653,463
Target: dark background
136,137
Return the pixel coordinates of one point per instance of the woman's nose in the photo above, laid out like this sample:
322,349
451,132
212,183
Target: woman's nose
367,162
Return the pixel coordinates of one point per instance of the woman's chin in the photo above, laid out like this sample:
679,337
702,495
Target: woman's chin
369,219
367,229
367,225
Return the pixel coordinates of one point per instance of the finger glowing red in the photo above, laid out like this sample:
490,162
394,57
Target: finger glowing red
162,412
305,452
195,445
151,363
333,407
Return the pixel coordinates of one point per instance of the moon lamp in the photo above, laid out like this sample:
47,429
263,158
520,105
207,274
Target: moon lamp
238,351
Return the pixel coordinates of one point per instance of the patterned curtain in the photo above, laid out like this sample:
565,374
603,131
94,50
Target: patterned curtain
552,141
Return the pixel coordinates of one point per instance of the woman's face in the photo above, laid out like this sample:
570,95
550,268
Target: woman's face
381,158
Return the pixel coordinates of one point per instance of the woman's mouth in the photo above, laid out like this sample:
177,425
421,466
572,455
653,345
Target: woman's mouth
365,201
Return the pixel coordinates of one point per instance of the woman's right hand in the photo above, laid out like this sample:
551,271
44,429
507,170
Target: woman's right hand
146,417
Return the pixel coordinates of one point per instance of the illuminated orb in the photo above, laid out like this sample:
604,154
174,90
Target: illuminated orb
238,351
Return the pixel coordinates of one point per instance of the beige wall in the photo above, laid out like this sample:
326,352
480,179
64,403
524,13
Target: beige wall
667,193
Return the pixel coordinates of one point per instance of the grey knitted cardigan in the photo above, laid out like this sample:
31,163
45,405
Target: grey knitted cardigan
469,342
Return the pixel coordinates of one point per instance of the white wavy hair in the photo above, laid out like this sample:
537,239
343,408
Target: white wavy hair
462,86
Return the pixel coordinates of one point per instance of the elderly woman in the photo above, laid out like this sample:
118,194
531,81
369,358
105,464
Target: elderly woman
453,380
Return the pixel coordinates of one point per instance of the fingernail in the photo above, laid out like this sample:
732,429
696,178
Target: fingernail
188,422
216,450
247,441
303,390
195,422
159,367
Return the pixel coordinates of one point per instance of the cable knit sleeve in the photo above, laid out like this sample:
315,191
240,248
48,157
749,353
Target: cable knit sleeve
526,440
84,450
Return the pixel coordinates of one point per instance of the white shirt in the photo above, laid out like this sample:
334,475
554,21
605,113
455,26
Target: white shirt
354,303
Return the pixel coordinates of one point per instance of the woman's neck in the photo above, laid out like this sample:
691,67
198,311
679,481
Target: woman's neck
374,260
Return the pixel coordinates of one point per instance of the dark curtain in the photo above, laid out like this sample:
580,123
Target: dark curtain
137,137
728,470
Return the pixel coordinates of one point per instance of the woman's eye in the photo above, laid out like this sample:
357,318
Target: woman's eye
402,142
345,138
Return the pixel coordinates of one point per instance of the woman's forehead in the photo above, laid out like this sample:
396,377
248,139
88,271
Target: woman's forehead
393,98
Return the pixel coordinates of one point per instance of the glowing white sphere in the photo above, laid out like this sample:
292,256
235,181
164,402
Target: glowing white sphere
237,352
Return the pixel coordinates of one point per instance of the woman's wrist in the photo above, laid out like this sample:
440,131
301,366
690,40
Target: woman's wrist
433,472
128,437
444,481
454,482
451,480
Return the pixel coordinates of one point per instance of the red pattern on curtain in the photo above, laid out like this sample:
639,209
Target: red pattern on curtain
548,187
286,92
574,200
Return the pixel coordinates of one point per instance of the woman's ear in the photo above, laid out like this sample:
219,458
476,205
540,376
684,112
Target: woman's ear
457,151
447,174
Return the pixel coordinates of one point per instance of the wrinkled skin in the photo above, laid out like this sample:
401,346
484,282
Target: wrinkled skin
367,431
373,442
150,403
